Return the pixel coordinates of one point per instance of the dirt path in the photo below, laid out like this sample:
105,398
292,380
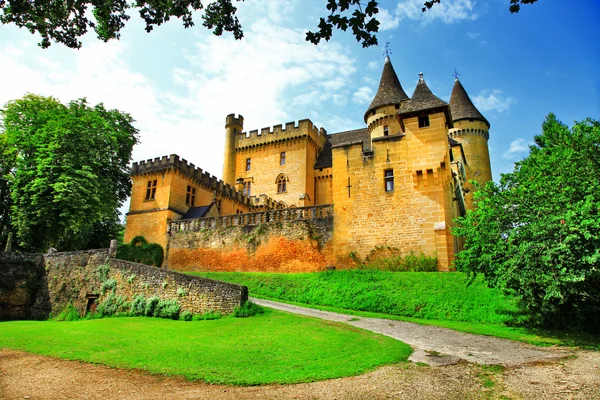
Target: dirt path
428,340
28,376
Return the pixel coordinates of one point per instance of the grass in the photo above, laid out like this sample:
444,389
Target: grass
425,295
448,294
273,347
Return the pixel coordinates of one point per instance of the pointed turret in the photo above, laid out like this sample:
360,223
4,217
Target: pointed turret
390,90
471,130
422,100
462,107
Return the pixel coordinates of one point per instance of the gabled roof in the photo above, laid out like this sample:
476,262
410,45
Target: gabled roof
390,90
340,139
422,99
461,105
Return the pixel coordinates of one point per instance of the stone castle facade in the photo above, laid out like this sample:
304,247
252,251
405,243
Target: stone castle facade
396,183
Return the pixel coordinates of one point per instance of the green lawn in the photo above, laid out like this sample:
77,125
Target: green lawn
274,347
440,299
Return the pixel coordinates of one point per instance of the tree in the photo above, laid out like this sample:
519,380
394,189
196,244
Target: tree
537,233
65,21
71,171
7,161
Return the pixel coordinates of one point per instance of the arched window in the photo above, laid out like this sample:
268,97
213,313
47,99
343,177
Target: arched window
281,183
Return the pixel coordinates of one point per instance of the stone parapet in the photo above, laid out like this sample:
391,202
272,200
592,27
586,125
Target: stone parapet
304,128
249,219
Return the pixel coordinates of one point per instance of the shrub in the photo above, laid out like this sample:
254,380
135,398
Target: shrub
109,284
151,304
140,251
211,315
185,316
138,306
112,306
167,309
386,258
70,313
248,309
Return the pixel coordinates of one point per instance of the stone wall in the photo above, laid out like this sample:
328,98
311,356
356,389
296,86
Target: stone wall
273,241
33,286
22,291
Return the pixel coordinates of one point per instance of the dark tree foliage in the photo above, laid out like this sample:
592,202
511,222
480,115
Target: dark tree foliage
514,7
140,251
65,21
7,162
70,174
537,233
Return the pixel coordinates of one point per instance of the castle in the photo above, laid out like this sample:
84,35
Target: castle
398,182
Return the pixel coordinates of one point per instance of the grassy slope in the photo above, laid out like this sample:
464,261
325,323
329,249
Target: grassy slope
446,300
438,296
271,348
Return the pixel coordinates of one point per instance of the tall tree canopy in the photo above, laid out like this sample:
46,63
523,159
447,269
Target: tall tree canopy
65,21
537,233
70,172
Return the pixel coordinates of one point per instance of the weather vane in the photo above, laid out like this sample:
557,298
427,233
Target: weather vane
456,74
387,50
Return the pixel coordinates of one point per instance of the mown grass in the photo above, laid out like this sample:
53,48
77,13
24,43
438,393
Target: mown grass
446,300
273,347
426,295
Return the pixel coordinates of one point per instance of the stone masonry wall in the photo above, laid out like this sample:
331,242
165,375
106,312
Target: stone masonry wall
33,286
277,246
22,291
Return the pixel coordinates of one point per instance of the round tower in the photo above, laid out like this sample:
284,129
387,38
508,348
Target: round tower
233,126
381,114
471,129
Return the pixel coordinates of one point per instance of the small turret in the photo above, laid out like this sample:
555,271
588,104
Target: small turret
233,126
423,101
380,116
471,129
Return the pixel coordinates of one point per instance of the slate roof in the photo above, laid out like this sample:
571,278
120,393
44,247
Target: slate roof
390,90
461,105
340,139
197,212
453,142
421,100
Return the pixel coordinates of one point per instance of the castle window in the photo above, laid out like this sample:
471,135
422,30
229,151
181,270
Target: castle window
247,164
281,184
190,196
424,121
282,158
386,131
151,190
388,179
247,188
397,106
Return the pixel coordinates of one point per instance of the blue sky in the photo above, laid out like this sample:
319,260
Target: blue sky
180,84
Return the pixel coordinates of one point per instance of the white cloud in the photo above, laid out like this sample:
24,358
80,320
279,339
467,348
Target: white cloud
374,65
517,146
363,95
448,11
387,21
493,100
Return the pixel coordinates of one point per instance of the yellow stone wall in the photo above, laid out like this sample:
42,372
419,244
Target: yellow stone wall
384,116
473,135
301,145
233,126
416,215
323,186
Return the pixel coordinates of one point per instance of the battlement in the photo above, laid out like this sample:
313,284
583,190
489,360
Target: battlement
173,162
231,119
292,130
454,133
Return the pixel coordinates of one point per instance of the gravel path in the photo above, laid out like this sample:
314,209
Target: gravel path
434,345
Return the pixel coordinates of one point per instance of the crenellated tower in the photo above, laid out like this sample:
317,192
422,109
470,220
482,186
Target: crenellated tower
233,126
381,115
471,130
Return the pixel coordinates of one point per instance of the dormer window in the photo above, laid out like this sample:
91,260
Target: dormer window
424,121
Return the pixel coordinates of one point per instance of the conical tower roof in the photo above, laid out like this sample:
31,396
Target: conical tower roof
390,90
461,105
422,99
